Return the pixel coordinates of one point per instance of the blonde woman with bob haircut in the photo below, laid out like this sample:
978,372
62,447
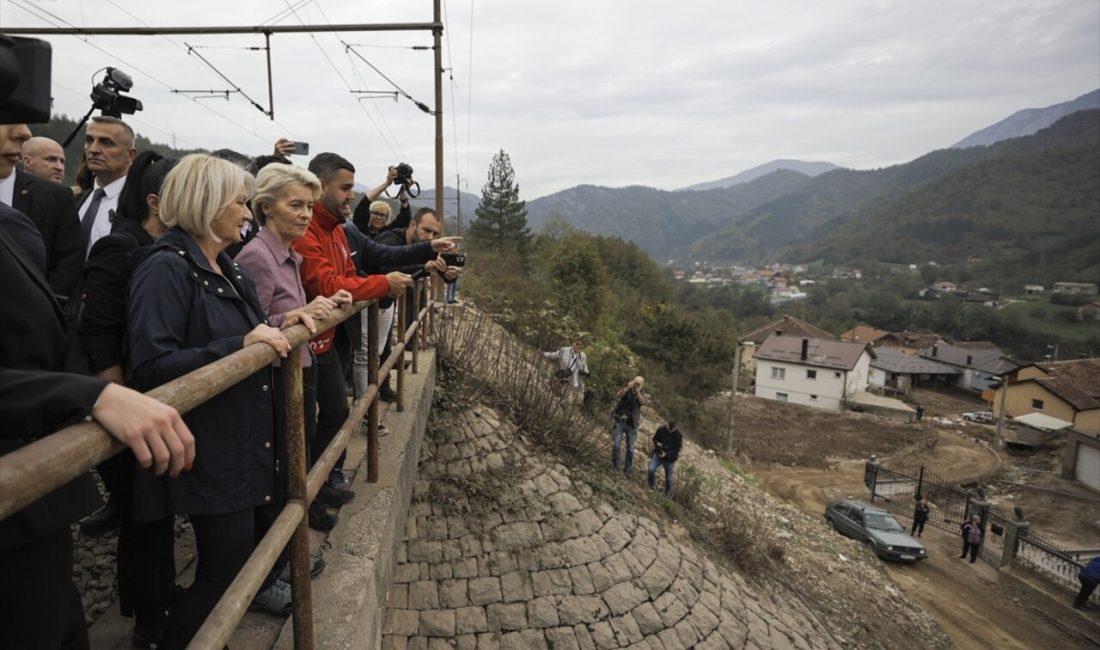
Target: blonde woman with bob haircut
283,204
190,305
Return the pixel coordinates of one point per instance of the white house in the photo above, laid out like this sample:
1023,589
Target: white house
811,371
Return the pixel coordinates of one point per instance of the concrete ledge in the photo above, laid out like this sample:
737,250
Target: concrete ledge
349,598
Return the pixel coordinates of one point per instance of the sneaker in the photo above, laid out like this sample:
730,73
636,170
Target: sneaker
273,600
334,498
316,566
339,480
320,519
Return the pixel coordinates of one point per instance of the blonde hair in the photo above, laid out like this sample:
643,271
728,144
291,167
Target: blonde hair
271,182
197,189
382,205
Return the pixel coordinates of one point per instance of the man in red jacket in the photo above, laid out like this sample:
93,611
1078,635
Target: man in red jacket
327,267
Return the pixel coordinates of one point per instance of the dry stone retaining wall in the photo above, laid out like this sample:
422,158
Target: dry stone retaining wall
557,568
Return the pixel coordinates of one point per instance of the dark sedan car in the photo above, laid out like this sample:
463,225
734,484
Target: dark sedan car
875,527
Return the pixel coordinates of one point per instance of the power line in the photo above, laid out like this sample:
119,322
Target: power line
285,12
128,64
454,87
470,87
421,105
341,76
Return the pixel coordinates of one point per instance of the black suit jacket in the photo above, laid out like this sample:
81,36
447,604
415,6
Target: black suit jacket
36,397
50,207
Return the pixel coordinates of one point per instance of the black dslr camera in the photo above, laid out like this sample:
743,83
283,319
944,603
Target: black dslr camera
404,174
106,97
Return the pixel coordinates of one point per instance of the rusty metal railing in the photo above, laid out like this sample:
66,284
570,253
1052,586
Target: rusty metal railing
33,471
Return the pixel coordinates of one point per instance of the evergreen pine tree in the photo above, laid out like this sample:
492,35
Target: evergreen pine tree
501,219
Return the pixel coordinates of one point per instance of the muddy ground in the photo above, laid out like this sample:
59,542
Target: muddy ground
808,457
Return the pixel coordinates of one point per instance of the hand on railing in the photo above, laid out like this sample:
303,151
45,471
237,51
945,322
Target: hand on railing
269,335
398,281
154,431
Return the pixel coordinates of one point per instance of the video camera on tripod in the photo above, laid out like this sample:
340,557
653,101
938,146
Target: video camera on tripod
107,99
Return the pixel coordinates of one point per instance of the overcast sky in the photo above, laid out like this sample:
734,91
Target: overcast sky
618,92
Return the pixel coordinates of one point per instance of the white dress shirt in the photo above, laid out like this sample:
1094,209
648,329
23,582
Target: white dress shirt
7,188
101,227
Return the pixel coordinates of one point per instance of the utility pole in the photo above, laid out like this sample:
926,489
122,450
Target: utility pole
999,441
733,393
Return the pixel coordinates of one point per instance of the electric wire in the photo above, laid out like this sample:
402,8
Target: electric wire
283,13
421,105
470,86
342,78
454,90
128,64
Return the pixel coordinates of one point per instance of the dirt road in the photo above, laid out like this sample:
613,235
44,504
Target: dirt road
960,595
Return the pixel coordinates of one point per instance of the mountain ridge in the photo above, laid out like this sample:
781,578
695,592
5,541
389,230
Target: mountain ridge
1028,121
809,168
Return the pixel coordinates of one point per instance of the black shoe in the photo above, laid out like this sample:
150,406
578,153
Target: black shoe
386,393
321,519
330,496
146,636
100,522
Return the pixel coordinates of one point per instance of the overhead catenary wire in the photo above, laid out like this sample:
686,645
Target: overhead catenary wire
339,74
421,105
33,10
236,88
454,89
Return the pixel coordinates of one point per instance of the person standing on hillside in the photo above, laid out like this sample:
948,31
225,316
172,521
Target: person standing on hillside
1089,577
921,511
667,442
572,370
972,538
628,415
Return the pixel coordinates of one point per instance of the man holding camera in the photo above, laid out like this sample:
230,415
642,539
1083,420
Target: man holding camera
667,442
628,415
572,370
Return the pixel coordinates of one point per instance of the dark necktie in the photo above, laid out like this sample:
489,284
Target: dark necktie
88,220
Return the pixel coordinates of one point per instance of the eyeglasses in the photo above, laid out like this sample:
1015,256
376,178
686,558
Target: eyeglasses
379,214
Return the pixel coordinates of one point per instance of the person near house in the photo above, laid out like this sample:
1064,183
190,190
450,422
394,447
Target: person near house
627,415
40,606
921,510
43,158
190,305
327,267
667,443
1089,577
283,204
972,538
572,369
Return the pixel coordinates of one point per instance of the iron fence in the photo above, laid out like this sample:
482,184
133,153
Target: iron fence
895,489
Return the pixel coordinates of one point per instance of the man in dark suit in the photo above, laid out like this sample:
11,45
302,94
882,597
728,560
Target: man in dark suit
39,605
49,206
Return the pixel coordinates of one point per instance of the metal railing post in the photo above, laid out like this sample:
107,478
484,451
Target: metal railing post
296,490
1014,531
402,309
372,411
420,333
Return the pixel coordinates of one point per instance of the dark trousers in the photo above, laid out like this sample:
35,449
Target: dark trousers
970,548
224,543
918,528
332,403
1087,587
145,558
39,604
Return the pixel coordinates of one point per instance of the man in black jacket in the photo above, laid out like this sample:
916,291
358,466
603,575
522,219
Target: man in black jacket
49,206
667,443
39,605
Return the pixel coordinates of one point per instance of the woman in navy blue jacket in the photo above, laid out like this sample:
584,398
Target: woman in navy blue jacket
191,305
